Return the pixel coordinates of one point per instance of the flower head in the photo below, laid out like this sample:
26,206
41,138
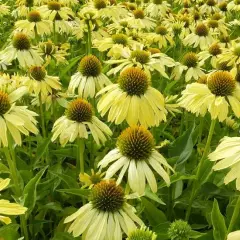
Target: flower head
135,152
108,210
142,234
179,230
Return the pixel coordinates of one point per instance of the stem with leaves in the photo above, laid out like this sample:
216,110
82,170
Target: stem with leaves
195,187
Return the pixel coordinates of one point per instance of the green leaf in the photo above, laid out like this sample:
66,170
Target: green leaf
195,234
153,196
63,236
3,168
70,182
218,221
177,177
30,191
71,64
154,215
42,148
9,232
76,191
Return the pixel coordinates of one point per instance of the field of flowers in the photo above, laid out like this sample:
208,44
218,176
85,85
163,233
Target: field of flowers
119,119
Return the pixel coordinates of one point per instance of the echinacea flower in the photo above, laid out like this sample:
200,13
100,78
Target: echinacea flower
7,208
211,54
220,91
49,51
115,41
89,79
234,6
107,10
135,154
161,36
4,10
76,122
39,82
231,55
21,49
91,180
200,37
34,24
142,59
179,230
132,99
15,120
138,19
157,8
107,211
227,156
142,234
190,66
54,10
209,7
234,235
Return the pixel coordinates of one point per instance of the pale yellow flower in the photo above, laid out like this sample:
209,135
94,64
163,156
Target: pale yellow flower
8,208
89,79
227,155
107,211
234,235
21,49
91,180
200,37
157,8
215,97
39,82
34,24
142,59
132,99
74,124
135,154
15,120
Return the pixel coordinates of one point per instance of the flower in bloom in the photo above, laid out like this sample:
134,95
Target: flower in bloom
220,91
21,49
200,36
15,120
161,36
107,211
142,59
142,234
231,55
77,120
132,99
49,51
157,8
53,10
40,83
89,79
7,208
34,24
191,66
234,235
227,155
91,180
135,154
211,53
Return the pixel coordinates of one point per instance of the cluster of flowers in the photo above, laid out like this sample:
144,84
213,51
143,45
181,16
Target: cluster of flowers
129,41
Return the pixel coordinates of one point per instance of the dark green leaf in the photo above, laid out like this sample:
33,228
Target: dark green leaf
30,191
78,192
218,221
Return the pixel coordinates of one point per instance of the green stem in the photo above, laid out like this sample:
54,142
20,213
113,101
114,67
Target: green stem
89,45
195,186
80,149
42,116
235,215
11,160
